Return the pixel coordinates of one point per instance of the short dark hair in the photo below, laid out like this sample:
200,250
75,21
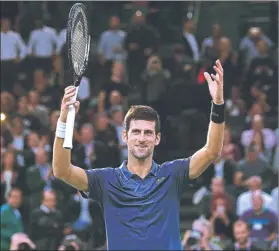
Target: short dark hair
142,112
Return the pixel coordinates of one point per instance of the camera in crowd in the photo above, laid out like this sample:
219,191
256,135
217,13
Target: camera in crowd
194,238
72,243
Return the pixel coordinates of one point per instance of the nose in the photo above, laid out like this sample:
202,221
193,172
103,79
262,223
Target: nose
141,137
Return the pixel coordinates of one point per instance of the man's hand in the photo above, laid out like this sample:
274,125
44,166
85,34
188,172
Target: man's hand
66,102
215,83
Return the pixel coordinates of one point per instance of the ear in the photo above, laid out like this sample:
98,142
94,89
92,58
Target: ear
125,136
158,139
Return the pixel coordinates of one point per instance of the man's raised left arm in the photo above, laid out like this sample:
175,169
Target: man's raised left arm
213,147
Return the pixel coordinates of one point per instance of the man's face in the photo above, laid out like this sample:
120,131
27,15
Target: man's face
257,202
5,24
114,22
141,138
14,199
241,234
86,134
49,200
217,186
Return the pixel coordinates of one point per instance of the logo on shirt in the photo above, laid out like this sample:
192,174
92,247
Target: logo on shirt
160,180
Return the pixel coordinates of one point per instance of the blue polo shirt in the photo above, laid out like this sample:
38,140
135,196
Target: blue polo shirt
141,214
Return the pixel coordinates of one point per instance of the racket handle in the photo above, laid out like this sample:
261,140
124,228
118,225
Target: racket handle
70,123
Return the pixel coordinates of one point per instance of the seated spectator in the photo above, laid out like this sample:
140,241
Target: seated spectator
242,240
248,45
46,223
230,150
71,242
217,190
40,111
8,103
9,174
262,68
106,133
244,200
221,167
221,217
263,223
200,237
11,221
154,83
264,138
250,166
90,153
210,45
235,105
38,177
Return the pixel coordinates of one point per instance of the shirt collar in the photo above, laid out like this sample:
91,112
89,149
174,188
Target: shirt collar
128,175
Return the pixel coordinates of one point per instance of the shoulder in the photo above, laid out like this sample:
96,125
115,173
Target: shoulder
174,166
5,208
102,173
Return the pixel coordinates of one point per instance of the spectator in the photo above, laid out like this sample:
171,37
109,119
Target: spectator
262,68
116,83
118,122
203,231
210,45
11,221
230,150
217,190
38,110
155,82
38,178
111,44
42,46
7,103
189,40
71,242
248,47
46,224
106,133
30,121
235,105
252,165
222,218
241,236
13,50
140,42
263,138
263,222
90,153
244,200
9,175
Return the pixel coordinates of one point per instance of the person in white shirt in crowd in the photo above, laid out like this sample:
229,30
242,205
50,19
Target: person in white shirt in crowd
275,200
244,200
13,50
264,138
61,40
42,46
118,122
111,45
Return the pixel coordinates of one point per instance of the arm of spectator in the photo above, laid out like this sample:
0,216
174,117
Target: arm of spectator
22,47
274,228
54,43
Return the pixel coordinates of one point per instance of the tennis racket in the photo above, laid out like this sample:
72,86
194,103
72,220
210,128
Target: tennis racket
78,42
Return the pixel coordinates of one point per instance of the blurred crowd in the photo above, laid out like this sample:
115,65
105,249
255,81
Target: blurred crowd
135,64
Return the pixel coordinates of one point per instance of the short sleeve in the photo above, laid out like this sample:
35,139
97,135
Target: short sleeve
180,171
96,181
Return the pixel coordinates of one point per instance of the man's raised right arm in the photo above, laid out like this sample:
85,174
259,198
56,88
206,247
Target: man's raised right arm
62,167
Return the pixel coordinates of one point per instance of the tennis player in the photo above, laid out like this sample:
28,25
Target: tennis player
140,199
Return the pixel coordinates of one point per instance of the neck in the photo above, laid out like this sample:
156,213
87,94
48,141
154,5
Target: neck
139,167
243,245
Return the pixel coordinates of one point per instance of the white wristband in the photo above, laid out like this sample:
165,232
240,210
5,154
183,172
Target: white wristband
60,129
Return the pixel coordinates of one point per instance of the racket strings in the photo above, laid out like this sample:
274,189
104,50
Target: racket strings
79,44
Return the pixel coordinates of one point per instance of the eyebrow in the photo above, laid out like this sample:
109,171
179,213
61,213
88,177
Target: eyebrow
138,130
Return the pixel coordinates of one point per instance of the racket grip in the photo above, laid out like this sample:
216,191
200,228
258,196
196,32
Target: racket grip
70,124
68,141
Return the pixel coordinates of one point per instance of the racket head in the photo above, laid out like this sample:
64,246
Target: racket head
78,41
